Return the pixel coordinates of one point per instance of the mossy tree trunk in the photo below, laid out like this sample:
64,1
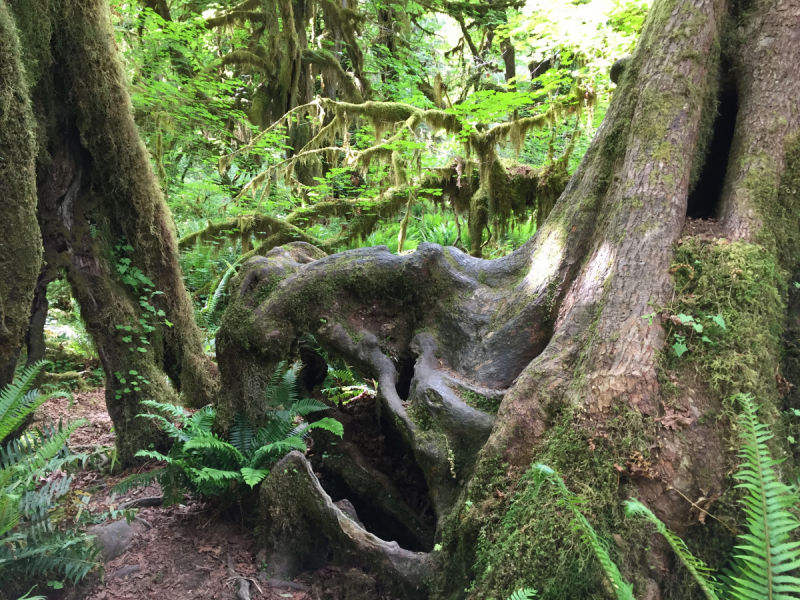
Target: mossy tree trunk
20,240
571,330
102,217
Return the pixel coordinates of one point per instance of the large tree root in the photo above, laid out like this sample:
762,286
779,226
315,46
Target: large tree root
299,523
556,328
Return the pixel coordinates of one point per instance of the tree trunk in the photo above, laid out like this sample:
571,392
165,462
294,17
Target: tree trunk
20,240
103,219
569,331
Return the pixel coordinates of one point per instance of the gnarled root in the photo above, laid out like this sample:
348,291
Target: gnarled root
300,524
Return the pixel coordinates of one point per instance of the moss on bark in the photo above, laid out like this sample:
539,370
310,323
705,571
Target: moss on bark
20,239
102,216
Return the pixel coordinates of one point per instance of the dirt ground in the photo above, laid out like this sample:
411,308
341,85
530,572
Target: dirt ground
185,551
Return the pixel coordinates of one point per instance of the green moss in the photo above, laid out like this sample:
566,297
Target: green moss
524,539
487,405
780,209
744,284
21,246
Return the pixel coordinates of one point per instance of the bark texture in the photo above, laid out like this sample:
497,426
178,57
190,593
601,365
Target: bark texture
102,217
20,240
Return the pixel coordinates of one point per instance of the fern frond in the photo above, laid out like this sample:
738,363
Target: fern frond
214,475
622,589
523,594
17,400
282,390
279,448
241,433
207,312
176,412
212,442
274,431
26,461
138,480
328,424
166,425
768,554
201,421
253,477
306,406
155,455
699,570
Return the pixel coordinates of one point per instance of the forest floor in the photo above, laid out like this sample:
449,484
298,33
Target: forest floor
180,552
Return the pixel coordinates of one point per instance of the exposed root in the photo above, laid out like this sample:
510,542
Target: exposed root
300,523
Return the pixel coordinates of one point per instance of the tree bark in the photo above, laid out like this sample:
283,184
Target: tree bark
20,240
103,219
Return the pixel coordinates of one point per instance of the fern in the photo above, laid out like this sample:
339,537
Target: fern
32,541
523,594
241,433
253,477
698,569
767,553
306,406
282,389
622,589
17,400
200,462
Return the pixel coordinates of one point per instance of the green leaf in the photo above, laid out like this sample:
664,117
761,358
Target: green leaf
329,424
686,318
719,321
253,477
699,570
679,348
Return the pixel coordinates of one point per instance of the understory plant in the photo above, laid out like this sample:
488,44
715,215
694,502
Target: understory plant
203,463
36,537
767,556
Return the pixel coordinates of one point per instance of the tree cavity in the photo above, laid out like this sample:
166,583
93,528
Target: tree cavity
703,199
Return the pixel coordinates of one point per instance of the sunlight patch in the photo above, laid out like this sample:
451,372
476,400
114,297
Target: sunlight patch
545,261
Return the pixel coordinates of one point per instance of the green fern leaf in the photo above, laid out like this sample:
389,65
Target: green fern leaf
306,406
176,412
277,448
328,424
767,553
241,433
154,455
253,477
17,400
214,475
212,442
202,421
523,594
622,589
698,569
